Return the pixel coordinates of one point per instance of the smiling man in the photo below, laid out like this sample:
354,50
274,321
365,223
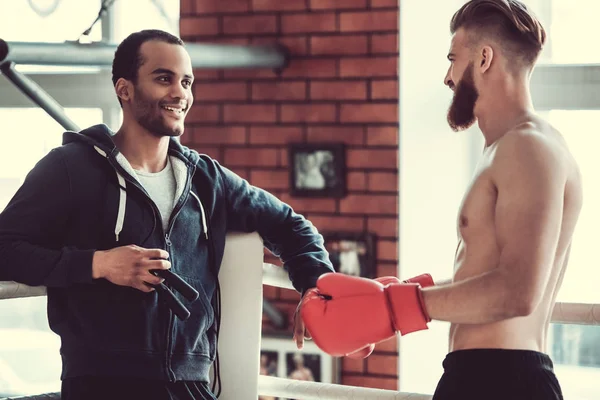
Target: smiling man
98,215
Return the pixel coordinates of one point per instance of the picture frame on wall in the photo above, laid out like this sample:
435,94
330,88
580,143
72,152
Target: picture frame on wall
352,253
317,169
281,358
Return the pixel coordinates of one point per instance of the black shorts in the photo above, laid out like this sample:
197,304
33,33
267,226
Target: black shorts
498,374
118,388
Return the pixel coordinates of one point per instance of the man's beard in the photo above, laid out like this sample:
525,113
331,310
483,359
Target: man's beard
461,114
148,114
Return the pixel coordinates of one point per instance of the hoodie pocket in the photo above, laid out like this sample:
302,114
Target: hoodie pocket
191,336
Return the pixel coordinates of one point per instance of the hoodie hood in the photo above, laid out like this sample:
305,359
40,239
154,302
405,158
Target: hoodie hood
100,137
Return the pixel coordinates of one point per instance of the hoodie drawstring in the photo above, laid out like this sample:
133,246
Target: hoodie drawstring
122,203
204,225
122,198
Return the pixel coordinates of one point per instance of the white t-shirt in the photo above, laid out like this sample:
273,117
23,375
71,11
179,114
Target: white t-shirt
161,187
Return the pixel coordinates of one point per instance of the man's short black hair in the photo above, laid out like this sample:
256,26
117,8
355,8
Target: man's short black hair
128,59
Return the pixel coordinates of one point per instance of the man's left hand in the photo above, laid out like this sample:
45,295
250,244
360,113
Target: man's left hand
300,332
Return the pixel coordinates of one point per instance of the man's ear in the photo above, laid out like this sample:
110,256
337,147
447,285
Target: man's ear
485,58
123,89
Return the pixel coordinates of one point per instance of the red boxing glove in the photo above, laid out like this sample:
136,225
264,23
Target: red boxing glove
347,314
367,350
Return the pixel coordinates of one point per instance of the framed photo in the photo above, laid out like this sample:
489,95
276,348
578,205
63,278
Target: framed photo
281,358
317,170
352,253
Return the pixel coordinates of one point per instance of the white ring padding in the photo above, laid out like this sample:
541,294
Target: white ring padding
289,388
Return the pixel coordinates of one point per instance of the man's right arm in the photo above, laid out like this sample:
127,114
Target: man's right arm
33,226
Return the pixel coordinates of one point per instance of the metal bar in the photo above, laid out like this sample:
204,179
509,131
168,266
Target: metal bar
38,95
101,54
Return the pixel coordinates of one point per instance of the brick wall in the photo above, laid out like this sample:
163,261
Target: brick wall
341,86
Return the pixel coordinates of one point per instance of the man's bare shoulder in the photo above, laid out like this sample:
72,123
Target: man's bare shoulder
532,148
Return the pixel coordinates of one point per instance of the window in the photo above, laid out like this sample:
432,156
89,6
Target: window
575,351
580,129
565,89
29,351
48,20
157,14
572,30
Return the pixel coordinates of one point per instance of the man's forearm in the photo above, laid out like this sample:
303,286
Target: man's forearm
478,300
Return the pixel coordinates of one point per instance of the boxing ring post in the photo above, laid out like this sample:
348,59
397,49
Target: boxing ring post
242,275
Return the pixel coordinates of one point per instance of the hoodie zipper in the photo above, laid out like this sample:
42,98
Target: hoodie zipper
182,200
156,212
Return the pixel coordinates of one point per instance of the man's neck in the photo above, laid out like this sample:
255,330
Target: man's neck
502,110
144,151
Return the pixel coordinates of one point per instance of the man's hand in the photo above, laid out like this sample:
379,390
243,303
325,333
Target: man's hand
300,332
130,266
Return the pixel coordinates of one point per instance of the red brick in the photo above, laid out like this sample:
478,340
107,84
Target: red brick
369,112
387,227
371,21
387,270
338,45
248,73
382,364
371,382
384,43
340,90
390,345
308,113
337,4
366,158
369,67
277,5
289,294
241,171
251,157
272,179
211,151
241,41
308,23
387,250
206,73
198,26
383,181
250,24
283,158
367,204
250,112
384,90
316,68
351,135
186,7
384,3
270,292
229,134
203,113
297,45
382,135
275,134
219,6
305,205
282,90
353,365
336,223
357,181
220,91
